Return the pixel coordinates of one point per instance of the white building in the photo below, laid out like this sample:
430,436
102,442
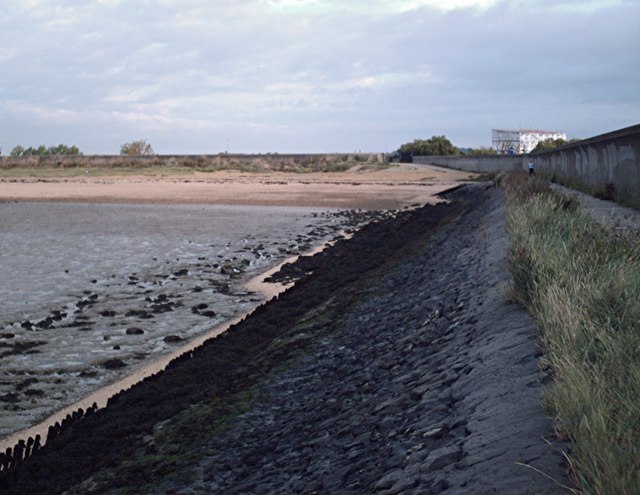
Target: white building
520,140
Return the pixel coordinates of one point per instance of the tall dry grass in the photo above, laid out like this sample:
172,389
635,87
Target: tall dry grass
582,283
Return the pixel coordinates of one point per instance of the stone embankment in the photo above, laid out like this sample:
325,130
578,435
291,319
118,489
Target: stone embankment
428,384
396,365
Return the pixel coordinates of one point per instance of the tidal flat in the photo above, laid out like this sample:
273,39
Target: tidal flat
91,291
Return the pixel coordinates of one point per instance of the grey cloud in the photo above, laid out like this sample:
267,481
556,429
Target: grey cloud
188,75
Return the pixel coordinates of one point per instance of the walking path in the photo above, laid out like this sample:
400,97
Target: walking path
607,213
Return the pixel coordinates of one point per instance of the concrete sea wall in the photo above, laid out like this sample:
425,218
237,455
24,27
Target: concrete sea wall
481,163
608,163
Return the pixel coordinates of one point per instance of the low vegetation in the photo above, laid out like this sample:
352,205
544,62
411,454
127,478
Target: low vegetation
137,148
582,283
549,144
482,150
156,165
606,191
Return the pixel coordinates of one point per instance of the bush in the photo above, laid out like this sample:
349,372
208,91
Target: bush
437,145
136,148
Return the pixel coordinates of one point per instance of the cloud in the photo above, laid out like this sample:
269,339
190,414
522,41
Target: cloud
377,6
378,72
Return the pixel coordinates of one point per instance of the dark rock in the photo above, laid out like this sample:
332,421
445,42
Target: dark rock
10,397
139,313
114,363
443,457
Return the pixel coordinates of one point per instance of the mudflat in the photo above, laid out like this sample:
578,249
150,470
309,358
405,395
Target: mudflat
104,274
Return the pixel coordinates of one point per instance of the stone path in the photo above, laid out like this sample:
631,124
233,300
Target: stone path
428,384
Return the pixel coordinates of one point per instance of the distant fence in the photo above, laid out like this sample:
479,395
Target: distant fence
608,162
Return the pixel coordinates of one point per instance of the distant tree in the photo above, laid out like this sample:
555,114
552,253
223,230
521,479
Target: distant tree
17,151
42,150
551,143
63,149
136,148
482,150
437,145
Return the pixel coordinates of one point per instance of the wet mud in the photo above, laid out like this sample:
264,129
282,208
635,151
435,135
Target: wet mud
92,292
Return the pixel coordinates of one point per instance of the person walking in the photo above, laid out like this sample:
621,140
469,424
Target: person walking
531,172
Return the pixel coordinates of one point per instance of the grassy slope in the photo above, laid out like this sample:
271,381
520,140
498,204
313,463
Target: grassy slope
583,285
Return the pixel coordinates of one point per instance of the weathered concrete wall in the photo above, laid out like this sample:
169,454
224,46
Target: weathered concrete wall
611,159
482,163
608,162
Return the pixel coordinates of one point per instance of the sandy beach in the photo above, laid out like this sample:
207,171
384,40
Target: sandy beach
393,188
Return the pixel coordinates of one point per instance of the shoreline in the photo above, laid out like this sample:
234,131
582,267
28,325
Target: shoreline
393,188
101,396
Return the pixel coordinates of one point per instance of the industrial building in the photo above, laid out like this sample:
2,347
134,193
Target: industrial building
516,141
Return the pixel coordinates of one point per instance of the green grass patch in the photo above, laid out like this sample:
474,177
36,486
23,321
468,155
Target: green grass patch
582,284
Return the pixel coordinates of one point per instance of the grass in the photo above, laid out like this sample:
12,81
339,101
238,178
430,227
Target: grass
582,284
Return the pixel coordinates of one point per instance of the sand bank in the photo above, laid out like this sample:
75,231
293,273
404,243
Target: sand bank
392,188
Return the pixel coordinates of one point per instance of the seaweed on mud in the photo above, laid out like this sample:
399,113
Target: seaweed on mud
21,347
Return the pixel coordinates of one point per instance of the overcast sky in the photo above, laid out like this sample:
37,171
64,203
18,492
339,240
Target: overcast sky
195,76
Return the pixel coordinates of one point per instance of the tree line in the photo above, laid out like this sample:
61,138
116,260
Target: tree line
441,146
42,150
133,148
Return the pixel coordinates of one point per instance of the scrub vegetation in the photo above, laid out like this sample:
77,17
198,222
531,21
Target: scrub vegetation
582,284
157,165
